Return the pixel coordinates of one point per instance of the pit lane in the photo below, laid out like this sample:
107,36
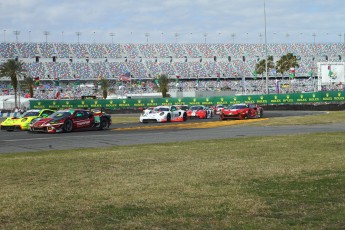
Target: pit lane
14,142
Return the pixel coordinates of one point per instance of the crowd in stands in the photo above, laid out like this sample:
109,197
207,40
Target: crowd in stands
205,62
76,89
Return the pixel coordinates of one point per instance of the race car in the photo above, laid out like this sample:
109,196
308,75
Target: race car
23,122
199,111
163,114
217,108
241,111
69,120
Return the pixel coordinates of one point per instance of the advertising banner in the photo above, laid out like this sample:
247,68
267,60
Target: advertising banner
295,98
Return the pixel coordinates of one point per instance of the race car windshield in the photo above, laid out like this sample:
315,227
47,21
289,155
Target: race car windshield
195,108
60,115
161,109
238,107
30,113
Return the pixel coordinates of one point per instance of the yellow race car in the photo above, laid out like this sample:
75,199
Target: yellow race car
23,122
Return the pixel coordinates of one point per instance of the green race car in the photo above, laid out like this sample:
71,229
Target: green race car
23,122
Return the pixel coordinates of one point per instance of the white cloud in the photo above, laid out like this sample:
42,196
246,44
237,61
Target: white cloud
244,18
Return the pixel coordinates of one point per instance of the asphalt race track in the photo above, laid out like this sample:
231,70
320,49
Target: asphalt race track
15,142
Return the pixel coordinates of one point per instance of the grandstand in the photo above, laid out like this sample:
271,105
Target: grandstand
224,66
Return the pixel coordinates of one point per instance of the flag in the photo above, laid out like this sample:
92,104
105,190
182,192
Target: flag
125,77
311,73
292,72
255,74
37,81
330,73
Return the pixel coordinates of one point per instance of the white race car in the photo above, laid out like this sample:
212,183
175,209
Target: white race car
163,114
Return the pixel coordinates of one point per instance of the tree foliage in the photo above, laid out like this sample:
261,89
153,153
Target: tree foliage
104,83
163,82
29,84
260,67
12,69
286,62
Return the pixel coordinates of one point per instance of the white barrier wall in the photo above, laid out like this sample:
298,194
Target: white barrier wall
331,73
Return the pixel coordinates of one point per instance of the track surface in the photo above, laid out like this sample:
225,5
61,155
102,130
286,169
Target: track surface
14,142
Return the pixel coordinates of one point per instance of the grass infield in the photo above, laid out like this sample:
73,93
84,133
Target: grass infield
281,182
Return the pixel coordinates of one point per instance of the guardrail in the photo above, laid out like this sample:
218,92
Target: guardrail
264,99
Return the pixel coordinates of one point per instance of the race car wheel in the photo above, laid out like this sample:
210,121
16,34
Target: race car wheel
168,117
261,113
104,123
68,126
184,116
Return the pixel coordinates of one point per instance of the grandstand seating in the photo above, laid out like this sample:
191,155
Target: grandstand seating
145,61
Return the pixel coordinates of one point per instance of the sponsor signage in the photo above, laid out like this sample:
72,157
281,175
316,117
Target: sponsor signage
295,98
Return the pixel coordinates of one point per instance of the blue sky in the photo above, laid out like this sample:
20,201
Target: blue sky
155,21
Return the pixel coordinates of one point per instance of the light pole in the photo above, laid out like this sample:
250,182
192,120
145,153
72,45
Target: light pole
16,32
147,35
205,35
94,37
266,49
260,36
162,37
233,35
30,36
46,33
112,37
314,35
287,37
78,34
176,36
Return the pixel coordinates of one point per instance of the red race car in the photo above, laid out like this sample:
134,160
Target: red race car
199,111
72,119
241,111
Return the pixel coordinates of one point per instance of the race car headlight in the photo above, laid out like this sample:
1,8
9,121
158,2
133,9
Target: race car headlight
24,119
161,113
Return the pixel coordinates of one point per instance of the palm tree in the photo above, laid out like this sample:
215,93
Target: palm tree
13,69
260,67
104,87
286,62
29,84
163,82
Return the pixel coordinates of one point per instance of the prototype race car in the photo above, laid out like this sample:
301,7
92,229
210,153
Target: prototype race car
199,111
23,122
241,111
163,114
72,119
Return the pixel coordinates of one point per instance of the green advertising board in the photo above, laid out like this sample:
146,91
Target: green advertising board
295,98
